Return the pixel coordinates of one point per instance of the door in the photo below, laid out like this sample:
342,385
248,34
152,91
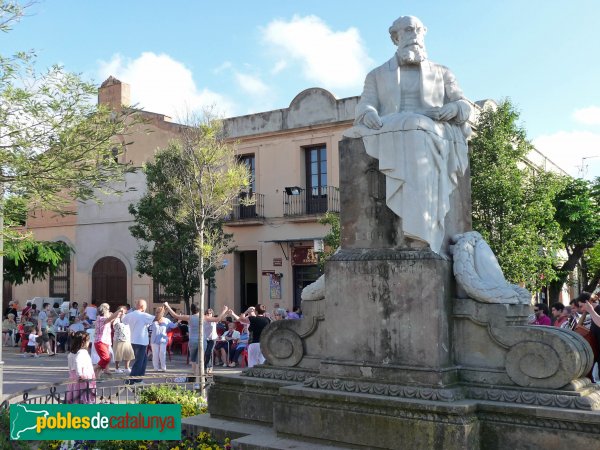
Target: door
109,282
248,279
316,180
303,276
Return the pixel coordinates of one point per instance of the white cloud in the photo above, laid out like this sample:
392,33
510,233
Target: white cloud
567,149
226,65
588,116
163,85
279,66
332,59
251,84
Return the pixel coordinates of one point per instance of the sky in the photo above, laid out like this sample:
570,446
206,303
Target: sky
244,57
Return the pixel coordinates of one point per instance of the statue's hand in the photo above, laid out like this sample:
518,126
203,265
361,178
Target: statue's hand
372,120
448,111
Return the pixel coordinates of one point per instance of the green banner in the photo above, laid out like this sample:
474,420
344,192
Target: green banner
95,422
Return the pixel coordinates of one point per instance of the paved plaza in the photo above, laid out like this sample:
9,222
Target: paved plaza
25,373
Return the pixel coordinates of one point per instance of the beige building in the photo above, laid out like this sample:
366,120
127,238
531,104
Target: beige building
293,155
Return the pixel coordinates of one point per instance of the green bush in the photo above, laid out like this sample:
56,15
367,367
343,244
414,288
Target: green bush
5,442
191,403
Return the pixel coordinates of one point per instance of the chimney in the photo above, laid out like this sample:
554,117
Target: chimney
114,93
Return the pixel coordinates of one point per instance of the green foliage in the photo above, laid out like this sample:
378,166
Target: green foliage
578,213
203,441
57,144
191,403
29,260
5,441
204,177
169,251
513,205
591,267
332,238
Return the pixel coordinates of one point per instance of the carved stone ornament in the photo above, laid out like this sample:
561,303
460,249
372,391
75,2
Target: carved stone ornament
281,342
314,291
477,271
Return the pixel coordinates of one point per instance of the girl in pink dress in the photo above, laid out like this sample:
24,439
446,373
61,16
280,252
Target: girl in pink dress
82,386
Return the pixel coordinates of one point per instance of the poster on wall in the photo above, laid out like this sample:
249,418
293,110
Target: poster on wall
274,286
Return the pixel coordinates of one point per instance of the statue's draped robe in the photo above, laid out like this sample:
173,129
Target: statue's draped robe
421,158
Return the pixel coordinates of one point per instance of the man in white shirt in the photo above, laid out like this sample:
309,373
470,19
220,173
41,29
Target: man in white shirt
60,326
76,326
91,312
138,322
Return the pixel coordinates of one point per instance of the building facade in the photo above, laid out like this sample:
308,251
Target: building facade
293,156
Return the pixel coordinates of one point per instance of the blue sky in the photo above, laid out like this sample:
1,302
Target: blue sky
254,56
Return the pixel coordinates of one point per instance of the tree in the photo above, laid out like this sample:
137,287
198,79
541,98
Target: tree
204,177
332,239
590,266
56,145
513,205
168,251
577,207
26,259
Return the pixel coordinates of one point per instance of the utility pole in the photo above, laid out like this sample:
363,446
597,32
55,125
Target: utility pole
584,167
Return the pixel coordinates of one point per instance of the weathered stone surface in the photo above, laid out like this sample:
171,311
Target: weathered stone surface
366,221
393,309
244,398
493,346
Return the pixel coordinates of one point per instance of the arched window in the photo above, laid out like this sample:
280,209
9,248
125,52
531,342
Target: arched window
60,281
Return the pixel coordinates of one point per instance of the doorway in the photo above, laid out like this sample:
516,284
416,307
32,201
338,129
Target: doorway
109,282
303,276
248,280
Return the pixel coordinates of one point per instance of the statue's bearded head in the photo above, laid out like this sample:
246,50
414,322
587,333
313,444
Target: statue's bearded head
408,33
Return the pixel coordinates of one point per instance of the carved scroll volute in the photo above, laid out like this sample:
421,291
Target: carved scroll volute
281,345
546,357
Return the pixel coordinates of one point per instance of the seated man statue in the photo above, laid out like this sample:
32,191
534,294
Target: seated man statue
412,117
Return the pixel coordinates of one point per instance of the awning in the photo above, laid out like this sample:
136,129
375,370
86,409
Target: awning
277,241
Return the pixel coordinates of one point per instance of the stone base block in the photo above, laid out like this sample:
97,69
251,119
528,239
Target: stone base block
244,398
247,436
371,421
297,416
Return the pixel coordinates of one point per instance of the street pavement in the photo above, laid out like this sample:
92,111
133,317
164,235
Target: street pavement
25,373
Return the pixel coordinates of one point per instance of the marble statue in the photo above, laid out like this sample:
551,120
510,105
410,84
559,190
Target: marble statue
412,117
477,271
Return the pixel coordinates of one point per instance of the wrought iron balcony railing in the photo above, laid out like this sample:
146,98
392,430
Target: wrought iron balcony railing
301,202
248,207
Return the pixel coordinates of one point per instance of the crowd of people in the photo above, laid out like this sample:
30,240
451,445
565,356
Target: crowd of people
581,315
94,337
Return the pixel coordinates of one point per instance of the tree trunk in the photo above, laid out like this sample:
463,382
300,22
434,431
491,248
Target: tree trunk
201,337
592,284
554,289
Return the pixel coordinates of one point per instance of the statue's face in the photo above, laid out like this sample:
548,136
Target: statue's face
411,33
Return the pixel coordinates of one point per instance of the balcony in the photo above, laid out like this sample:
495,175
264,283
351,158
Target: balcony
247,208
302,202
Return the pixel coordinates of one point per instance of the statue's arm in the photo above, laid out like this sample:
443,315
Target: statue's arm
454,94
368,100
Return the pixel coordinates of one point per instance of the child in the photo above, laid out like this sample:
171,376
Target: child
32,343
82,388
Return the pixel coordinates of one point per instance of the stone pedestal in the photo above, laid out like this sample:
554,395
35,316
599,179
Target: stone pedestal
393,308
395,356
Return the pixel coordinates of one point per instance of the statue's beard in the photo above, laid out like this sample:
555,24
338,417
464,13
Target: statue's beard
412,54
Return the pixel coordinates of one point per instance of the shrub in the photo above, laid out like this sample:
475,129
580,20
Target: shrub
191,403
